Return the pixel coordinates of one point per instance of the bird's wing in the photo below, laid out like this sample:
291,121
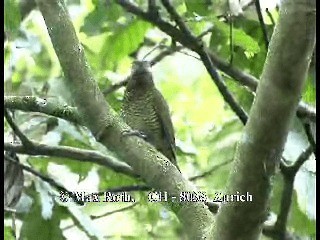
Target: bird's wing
163,114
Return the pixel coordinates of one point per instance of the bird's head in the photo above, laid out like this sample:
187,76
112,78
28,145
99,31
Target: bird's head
141,73
140,67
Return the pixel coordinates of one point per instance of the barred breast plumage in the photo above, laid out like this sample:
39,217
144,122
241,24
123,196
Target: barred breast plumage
144,109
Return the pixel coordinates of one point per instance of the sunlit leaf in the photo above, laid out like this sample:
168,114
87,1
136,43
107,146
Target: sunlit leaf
240,38
12,16
36,227
123,41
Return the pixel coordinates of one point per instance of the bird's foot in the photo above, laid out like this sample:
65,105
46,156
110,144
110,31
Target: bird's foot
134,133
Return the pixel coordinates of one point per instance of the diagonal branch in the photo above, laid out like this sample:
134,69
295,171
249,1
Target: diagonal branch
303,111
214,168
187,39
131,188
173,13
73,154
262,24
279,230
25,141
108,127
308,130
215,76
116,211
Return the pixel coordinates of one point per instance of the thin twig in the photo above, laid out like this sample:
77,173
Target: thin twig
308,131
304,156
209,30
262,24
165,53
173,13
214,168
271,17
128,188
215,76
152,7
228,97
106,214
115,211
25,141
116,86
133,188
289,173
291,170
231,39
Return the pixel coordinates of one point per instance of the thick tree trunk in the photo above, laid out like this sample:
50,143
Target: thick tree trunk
260,148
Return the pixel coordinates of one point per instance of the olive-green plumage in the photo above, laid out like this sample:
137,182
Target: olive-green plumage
145,110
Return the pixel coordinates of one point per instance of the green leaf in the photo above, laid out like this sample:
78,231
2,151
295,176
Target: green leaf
8,233
36,227
298,220
123,41
243,96
309,94
253,29
219,39
240,38
110,179
103,16
222,142
199,7
85,223
12,16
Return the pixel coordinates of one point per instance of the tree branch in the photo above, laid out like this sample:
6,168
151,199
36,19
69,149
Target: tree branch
108,128
41,105
116,211
73,154
262,24
310,136
132,188
271,17
173,13
214,168
25,141
262,143
289,171
303,111
279,230
195,44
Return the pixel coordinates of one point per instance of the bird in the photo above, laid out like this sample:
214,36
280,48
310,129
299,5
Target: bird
146,111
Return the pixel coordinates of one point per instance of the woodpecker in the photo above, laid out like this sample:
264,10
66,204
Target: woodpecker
145,110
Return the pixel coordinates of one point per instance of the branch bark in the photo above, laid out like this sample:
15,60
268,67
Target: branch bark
81,155
262,143
41,105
